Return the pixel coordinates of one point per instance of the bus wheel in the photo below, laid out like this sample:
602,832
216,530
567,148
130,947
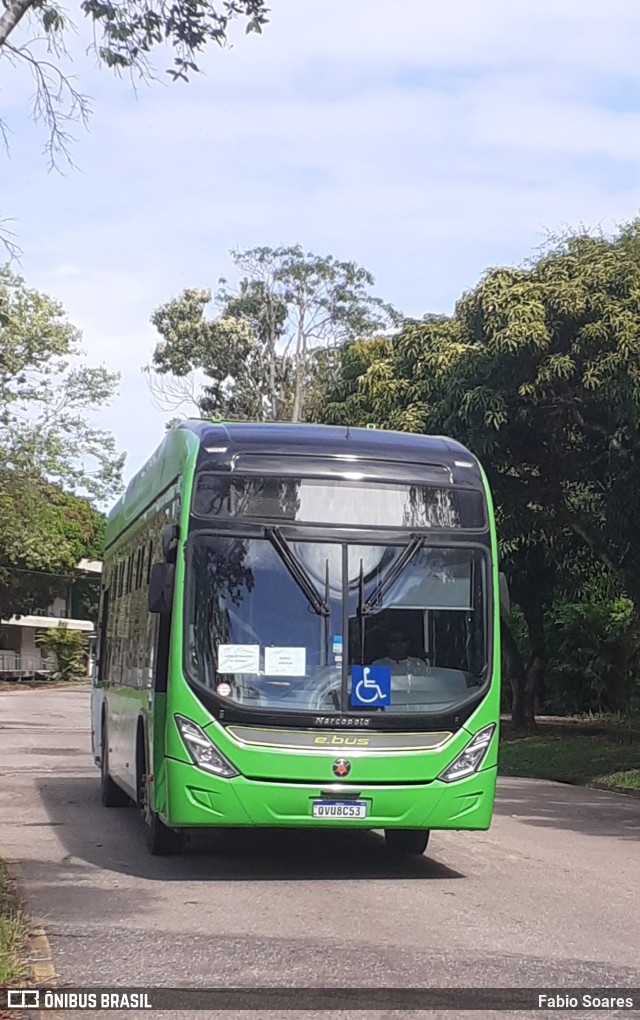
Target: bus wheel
160,839
110,793
407,841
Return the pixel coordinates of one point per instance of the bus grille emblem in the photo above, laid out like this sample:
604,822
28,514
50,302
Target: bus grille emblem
341,768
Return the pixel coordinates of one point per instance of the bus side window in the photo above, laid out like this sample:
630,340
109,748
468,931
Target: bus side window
102,637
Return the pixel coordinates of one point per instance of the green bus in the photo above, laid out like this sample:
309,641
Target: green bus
299,626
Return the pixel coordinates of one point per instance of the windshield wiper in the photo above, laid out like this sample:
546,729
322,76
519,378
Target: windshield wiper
416,543
297,571
361,611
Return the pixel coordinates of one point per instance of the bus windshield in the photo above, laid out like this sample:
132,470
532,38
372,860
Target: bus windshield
265,624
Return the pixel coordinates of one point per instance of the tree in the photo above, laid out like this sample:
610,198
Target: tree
328,304
68,648
125,34
46,393
44,532
51,458
547,388
594,649
275,333
222,349
258,303
538,372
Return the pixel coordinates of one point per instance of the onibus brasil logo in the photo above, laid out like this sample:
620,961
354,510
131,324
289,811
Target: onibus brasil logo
54,998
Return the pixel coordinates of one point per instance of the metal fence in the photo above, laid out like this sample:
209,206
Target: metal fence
13,665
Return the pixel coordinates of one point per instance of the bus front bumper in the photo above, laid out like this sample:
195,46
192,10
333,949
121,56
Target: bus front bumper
197,799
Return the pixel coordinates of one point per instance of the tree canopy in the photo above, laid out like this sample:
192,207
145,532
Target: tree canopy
46,394
44,533
276,335
52,460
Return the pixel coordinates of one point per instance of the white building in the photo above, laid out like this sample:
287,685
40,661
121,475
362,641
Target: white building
19,653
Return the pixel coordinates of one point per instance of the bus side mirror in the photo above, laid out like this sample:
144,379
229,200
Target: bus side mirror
161,582
505,598
170,536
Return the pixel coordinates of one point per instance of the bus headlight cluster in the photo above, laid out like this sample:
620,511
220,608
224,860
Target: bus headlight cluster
470,758
202,751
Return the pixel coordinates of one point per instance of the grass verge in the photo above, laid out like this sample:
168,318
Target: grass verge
12,932
572,759
623,780
40,685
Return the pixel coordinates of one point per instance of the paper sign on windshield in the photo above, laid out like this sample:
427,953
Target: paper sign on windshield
238,658
285,661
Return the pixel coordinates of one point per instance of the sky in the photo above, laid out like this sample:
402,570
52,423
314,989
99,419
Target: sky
427,142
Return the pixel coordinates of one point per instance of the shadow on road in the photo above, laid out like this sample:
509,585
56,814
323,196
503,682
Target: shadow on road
555,805
113,839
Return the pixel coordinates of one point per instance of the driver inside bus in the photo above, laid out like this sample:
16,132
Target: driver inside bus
397,645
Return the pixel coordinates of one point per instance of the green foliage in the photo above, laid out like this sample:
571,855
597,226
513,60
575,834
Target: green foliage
44,527
85,598
594,655
130,30
45,394
13,934
51,459
189,341
270,352
68,648
623,780
44,532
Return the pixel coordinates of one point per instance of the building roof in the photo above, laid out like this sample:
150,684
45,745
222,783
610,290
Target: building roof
46,622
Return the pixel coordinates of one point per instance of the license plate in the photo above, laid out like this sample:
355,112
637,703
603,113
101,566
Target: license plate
339,809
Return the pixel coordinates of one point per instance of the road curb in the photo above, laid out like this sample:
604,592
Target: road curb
625,791
37,955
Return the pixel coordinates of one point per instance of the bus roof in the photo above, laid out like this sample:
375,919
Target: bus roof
329,440
272,438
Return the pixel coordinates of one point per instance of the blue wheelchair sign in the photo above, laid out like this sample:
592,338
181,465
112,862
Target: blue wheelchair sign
370,686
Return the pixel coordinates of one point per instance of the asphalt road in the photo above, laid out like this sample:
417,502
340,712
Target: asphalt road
549,897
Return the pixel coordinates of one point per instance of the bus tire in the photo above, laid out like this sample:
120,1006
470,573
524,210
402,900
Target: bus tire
161,841
110,793
407,841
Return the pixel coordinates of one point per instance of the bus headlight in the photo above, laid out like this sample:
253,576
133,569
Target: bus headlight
469,759
202,751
